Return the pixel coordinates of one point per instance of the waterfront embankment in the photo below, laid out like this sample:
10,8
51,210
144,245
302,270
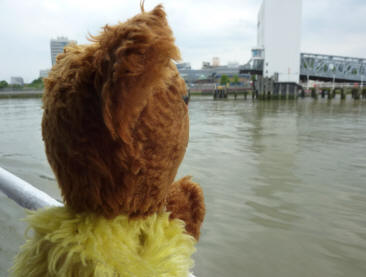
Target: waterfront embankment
24,93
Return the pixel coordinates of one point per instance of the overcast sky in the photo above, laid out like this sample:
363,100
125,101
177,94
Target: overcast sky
203,28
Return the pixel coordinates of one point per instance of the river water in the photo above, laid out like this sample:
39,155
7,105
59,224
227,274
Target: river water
284,184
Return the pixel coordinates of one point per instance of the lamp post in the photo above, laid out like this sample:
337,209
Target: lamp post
333,69
361,86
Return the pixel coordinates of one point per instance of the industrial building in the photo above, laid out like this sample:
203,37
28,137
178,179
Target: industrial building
211,72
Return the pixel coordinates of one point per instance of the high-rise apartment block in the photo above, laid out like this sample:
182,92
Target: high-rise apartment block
16,81
43,73
215,61
57,47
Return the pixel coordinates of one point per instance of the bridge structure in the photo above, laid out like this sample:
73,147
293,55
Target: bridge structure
278,54
318,67
332,68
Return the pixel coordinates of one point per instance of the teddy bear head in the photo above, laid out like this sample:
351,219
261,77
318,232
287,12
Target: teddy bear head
115,123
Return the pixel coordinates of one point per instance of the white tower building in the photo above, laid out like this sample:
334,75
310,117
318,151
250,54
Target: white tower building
279,39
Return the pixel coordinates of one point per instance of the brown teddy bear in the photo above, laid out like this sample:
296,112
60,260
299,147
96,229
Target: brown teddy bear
115,127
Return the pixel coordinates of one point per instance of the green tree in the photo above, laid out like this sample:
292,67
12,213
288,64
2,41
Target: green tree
36,83
236,79
4,84
224,79
16,86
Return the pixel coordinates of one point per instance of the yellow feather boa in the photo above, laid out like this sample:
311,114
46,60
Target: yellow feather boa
70,245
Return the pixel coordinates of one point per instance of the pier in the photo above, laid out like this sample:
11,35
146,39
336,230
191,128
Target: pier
267,89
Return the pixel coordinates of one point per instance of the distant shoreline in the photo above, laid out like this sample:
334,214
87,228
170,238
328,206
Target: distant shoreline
38,94
21,93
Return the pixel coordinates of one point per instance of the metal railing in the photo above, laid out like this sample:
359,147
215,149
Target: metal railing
24,193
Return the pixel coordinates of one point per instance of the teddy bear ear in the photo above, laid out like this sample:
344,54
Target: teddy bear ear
129,58
132,47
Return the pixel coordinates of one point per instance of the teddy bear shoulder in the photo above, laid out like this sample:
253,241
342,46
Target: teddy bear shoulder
64,243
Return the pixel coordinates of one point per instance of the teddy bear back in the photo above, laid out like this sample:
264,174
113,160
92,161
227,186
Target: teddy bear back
115,126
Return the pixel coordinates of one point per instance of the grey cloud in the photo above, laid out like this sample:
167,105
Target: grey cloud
203,29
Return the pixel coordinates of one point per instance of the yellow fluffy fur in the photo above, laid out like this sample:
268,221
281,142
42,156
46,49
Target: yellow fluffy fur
85,244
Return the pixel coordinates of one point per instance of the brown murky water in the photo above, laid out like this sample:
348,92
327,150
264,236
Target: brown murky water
285,184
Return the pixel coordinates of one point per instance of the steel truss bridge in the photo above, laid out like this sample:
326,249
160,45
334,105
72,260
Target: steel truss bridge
329,68
321,68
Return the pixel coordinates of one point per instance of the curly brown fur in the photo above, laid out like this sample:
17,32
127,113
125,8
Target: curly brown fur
185,201
115,126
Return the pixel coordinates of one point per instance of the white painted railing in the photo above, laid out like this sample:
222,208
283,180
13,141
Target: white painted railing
25,194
